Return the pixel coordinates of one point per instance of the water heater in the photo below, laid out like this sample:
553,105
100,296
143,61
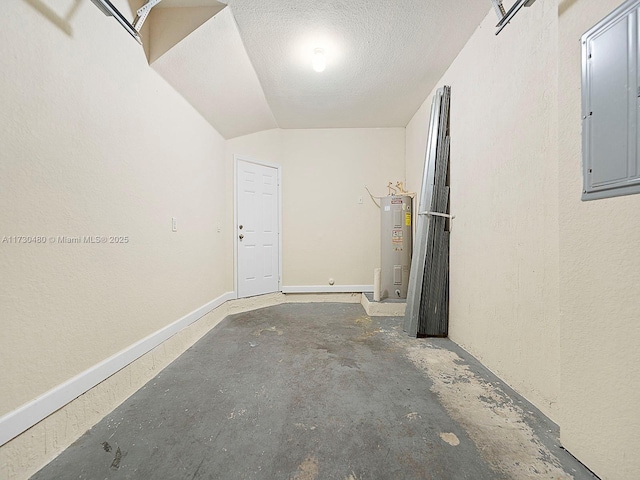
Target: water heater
395,246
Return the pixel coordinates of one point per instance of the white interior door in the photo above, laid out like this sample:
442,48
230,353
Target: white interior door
257,229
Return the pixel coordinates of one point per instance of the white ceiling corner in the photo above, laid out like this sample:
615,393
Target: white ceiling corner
211,69
169,26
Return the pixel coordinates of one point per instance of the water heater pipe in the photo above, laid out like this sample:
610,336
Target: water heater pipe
376,284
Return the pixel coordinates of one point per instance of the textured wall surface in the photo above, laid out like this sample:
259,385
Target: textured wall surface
544,287
326,232
599,287
95,143
416,145
504,240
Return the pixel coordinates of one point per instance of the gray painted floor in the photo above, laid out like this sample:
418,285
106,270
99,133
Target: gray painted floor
319,391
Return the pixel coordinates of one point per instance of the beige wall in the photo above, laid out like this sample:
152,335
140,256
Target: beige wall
544,287
94,142
504,240
599,286
326,232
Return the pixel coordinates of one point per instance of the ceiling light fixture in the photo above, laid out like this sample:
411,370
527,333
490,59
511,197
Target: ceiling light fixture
319,60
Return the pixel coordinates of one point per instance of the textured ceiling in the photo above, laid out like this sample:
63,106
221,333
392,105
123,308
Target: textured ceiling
383,57
248,67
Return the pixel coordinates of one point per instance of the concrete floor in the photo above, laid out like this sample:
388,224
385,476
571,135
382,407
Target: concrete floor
319,391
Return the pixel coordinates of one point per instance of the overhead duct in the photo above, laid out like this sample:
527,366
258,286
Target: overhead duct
108,9
505,17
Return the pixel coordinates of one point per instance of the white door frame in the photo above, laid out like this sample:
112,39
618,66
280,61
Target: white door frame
247,159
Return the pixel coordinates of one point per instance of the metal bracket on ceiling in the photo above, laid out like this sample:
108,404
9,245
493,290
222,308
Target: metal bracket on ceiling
497,6
143,13
108,9
505,17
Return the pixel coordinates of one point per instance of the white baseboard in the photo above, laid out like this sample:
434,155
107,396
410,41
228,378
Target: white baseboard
14,423
328,289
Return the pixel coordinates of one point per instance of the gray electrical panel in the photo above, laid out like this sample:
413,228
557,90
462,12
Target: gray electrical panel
395,245
610,103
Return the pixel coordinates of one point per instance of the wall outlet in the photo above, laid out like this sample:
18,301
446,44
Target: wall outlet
174,224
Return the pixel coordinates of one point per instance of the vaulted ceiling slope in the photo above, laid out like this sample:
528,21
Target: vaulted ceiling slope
212,71
248,67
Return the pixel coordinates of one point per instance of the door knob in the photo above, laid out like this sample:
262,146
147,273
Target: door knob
241,236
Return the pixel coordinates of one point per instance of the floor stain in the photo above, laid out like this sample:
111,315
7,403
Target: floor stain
195,474
118,458
368,332
450,438
349,363
492,420
308,470
413,416
235,414
414,467
259,332
304,427
106,446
